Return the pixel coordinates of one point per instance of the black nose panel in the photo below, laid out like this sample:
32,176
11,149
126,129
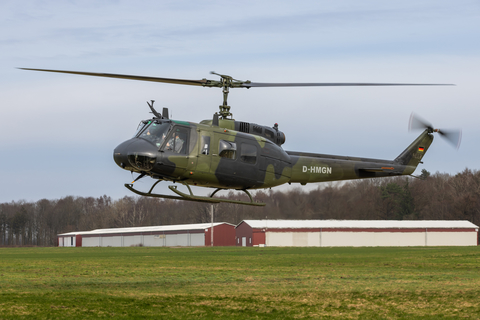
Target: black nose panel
136,153
141,161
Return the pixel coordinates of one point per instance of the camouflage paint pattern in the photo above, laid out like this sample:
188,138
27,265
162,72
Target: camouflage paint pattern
252,161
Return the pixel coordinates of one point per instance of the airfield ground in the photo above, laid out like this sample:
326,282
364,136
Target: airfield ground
240,283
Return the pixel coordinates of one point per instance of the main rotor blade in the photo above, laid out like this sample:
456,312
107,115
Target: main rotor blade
231,84
203,82
334,84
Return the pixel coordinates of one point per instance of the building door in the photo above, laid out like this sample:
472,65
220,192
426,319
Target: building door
244,241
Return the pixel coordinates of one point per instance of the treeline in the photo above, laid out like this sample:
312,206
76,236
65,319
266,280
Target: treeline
434,197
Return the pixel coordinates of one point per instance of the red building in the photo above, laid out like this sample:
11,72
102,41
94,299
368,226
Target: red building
355,233
248,235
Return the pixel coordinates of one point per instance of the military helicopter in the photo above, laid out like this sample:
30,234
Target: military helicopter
223,153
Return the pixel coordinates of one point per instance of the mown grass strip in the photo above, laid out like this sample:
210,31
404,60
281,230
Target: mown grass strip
239,283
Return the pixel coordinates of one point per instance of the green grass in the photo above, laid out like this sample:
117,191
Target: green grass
240,283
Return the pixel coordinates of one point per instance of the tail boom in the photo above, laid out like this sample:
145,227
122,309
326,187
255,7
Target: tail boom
311,167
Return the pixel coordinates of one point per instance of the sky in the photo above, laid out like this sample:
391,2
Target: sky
58,131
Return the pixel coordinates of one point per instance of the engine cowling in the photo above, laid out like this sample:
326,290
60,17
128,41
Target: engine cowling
270,133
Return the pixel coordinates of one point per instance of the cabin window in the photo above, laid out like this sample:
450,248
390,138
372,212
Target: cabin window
248,153
227,149
205,145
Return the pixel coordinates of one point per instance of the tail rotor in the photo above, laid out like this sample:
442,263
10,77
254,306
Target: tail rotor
454,137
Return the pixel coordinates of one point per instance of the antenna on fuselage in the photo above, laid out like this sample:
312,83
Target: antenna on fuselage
165,113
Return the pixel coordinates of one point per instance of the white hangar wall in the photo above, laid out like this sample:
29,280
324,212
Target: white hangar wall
369,239
193,235
158,240
358,233
71,239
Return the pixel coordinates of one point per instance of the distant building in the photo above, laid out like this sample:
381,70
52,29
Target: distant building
284,233
355,233
188,235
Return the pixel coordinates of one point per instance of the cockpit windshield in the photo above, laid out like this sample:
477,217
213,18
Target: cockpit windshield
141,125
155,132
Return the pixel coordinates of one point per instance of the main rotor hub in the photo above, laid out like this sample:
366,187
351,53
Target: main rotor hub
227,82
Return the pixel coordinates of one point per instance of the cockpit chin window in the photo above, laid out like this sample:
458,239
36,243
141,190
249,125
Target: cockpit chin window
155,132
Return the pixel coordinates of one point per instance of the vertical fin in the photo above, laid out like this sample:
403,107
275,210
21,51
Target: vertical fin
414,153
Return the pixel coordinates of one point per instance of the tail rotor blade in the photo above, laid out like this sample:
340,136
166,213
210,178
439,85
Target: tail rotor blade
454,137
417,123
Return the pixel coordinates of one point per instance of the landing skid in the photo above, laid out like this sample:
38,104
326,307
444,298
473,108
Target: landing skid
191,196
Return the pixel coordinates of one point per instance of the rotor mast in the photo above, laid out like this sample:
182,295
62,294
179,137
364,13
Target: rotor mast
226,83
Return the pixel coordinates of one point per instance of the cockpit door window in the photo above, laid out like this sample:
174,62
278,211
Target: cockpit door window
177,141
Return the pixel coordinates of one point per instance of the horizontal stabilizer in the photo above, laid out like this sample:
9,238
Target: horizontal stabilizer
377,169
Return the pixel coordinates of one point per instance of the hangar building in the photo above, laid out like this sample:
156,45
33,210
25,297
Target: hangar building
189,235
355,233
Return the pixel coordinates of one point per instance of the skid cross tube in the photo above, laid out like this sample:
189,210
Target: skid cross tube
191,196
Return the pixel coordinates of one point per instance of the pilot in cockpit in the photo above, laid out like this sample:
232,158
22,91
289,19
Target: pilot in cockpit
175,143
156,133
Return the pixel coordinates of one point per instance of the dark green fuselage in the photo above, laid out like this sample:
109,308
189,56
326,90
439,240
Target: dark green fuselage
221,157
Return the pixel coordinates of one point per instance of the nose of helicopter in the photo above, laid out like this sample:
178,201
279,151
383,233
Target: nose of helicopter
136,153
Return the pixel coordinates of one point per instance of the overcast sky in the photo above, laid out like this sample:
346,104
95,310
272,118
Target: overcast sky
58,132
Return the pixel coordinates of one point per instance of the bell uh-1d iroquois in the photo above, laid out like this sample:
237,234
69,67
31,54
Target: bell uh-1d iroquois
222,153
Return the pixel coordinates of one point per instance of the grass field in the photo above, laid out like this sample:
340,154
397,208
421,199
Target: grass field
240,283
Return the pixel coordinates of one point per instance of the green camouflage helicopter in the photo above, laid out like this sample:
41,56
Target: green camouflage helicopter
223,153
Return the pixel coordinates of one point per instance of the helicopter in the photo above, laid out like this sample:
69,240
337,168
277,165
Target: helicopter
223,153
